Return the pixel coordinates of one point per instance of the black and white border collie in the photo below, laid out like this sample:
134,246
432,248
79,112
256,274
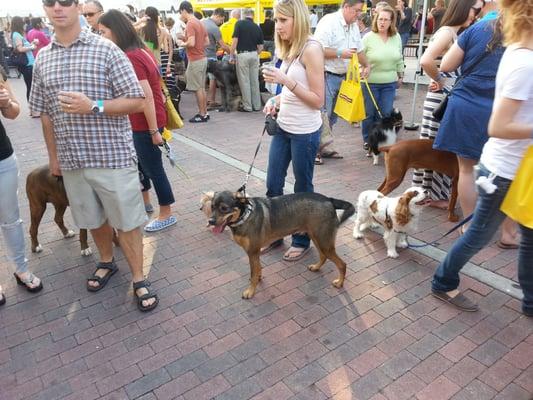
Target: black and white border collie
384,133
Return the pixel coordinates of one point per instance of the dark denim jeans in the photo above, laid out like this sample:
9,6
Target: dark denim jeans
487,218
384,95
301,149
151,168
333,84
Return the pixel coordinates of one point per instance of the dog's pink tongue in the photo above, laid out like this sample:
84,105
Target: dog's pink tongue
218,228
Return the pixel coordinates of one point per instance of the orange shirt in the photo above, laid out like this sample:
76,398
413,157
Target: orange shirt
196,28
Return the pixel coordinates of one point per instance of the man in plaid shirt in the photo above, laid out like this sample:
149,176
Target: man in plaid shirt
84,88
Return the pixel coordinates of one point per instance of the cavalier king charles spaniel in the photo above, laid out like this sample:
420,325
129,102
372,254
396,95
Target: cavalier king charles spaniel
397,216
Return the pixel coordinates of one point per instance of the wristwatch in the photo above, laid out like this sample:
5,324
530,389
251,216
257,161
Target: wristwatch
98,107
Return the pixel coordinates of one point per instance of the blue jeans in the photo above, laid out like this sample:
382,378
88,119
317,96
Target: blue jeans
333,84
405,37
301,149
151,168
384,94
487,218
10,221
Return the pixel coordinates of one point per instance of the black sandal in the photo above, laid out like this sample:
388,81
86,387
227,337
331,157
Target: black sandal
102,281
27,282
2,299
144,285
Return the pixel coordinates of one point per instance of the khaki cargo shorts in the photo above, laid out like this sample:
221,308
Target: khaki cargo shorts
97,195
195,74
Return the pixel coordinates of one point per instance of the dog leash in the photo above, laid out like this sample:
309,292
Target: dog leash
461,223
373,99
242,189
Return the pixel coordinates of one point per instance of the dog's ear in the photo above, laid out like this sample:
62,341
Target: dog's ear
240,197
206,196
403,212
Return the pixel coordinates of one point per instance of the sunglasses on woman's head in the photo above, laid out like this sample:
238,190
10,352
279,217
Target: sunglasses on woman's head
62,3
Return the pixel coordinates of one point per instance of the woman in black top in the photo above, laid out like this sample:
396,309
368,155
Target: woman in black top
10,222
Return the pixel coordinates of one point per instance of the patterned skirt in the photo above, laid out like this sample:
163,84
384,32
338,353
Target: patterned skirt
437,184
170,80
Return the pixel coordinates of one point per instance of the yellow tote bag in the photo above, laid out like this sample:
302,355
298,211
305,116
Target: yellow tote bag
518,202
173,118
350,104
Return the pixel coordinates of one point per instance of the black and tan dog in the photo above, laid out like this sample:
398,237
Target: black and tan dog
256,222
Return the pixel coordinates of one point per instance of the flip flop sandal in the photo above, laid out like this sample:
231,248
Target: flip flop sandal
102,281
506,246
27,282
331,154
2,299
271,246
460,301
296,250
144,285
318,160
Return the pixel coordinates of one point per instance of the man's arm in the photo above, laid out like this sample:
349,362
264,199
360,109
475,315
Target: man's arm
224,46
79,103
49,139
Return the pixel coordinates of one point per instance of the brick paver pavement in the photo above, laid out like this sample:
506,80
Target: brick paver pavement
381,337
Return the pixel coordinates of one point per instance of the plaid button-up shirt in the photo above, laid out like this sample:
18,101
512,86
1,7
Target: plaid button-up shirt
97,68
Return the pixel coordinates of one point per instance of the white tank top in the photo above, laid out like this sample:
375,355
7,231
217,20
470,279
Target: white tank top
294,115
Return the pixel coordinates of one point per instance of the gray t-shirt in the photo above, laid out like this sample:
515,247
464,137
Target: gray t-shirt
213,31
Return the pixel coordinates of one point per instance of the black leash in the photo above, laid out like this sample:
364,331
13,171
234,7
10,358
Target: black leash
464,221
242,189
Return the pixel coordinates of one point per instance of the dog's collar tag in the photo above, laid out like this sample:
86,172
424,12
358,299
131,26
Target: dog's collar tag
244,216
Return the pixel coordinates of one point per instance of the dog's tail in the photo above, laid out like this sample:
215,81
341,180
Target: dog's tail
348,208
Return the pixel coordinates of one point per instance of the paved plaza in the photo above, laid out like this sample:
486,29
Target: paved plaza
383,336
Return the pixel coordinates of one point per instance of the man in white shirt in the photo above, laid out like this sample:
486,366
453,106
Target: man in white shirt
339,34
313,19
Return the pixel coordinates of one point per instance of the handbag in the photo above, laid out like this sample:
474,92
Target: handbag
350,104
173,118
18,59
518,202
438,112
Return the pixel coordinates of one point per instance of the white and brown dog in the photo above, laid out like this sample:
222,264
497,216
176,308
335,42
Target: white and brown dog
397,216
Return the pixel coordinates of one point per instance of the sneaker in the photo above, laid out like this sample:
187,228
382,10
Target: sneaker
459,301
198,118
157,225
149,208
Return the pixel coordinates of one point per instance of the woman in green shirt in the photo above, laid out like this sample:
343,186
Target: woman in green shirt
383,49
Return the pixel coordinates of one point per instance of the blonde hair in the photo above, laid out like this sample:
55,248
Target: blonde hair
517,19
301,28
392,28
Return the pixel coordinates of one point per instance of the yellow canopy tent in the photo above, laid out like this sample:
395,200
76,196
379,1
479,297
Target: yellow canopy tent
258,5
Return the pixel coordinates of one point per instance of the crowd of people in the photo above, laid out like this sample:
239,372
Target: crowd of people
102,128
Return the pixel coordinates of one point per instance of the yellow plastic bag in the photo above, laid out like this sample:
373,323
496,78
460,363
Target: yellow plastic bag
350,104
173,118
518,202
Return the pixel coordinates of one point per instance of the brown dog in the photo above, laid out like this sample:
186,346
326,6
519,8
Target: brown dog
42,187
419,153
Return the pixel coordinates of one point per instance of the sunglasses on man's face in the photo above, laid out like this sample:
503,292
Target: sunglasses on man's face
62,3
91,14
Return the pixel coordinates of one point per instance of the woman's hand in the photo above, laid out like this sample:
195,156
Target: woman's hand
399,82
435,86
274,75
4,98
157,139
270,107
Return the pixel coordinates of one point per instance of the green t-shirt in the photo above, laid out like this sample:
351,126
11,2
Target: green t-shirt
385,58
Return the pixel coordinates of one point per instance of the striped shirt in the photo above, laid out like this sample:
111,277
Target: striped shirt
97,68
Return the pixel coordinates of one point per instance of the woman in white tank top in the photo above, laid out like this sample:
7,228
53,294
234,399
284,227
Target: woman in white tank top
299,104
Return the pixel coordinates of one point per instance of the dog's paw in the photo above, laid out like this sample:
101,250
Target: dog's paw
392,254
358,235
69,234
338,283
37,249
86,252
402,244
314,267
248,293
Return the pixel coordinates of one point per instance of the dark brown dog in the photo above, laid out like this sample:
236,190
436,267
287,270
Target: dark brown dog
257,222
419,153
42,187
